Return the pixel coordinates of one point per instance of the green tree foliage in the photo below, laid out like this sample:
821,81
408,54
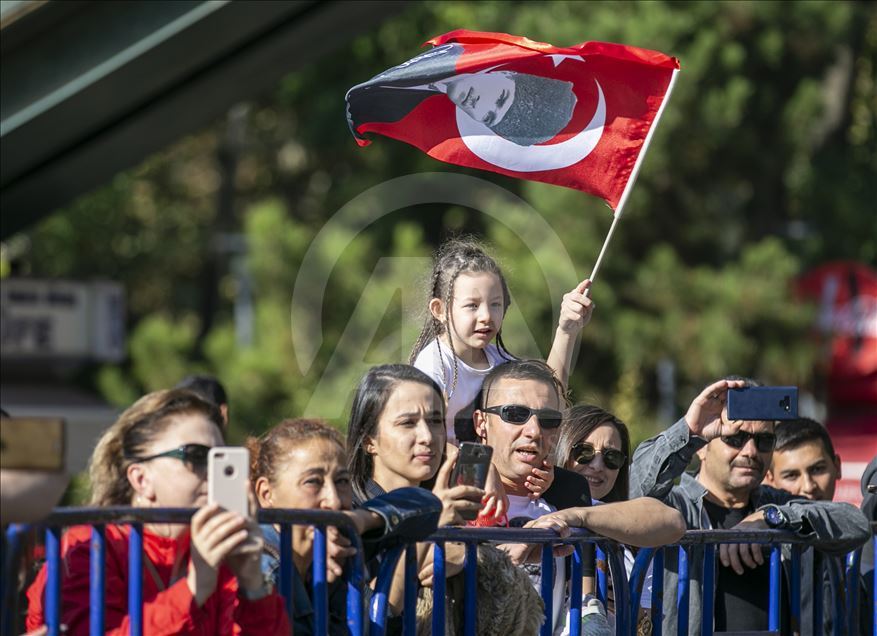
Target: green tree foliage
763,166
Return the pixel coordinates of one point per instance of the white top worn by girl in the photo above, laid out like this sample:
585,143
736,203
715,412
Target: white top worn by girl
438,363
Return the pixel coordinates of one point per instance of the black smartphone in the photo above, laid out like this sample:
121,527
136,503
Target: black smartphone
472,465
763,403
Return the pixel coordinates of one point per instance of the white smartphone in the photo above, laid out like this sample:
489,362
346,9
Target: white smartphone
228,478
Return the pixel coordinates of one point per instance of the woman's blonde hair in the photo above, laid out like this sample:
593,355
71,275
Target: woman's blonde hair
127,438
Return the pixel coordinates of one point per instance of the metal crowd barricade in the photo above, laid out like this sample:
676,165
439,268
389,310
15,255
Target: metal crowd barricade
627,590
98,518
471,537
844,612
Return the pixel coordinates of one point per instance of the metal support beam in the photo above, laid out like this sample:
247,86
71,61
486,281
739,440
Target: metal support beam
90,88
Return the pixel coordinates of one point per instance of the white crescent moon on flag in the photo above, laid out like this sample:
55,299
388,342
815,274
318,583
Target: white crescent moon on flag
496,150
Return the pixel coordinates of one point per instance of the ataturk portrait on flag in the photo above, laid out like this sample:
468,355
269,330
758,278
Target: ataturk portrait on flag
574,116
522,108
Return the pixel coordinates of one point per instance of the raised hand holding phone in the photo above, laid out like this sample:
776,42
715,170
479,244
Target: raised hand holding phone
228,475
472,465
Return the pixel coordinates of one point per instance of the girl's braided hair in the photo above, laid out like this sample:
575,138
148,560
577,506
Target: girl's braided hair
455,257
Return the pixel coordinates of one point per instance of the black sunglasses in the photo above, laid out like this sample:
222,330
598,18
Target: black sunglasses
764,442
584,453
517,414
194,455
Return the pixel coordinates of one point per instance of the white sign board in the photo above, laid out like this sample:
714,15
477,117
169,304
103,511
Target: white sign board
62,319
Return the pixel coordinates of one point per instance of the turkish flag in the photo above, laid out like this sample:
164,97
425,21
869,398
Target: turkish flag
577,117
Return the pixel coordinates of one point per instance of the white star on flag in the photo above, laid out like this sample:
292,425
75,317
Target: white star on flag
558,58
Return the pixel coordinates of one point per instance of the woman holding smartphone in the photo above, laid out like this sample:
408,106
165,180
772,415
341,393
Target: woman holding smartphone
203,577
396,436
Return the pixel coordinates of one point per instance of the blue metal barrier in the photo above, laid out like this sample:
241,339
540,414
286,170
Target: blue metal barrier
627,591
98,518
608,551
627,595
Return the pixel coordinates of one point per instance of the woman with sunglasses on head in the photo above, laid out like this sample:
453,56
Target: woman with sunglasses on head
203,577
596,444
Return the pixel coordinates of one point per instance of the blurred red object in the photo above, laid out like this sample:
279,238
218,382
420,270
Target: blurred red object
846,295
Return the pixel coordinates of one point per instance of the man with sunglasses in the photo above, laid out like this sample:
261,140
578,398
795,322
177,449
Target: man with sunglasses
520,417
727,493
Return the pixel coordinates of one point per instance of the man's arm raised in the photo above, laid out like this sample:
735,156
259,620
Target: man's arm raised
658,461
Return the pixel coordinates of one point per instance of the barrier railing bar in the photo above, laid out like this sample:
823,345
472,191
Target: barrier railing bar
471,588
355,600
410,601
321,584
53,583
380,600
708,598
619,587
600,567
15,538
510,535
438,588
135,580
124,515
773,603
547,589
287,565
691,537
795,590
844,604
854,560
682,590
96,581
575,593
636,580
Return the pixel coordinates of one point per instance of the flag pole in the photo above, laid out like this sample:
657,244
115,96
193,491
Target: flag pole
619,210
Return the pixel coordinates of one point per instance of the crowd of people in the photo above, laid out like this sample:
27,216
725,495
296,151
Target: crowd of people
555,464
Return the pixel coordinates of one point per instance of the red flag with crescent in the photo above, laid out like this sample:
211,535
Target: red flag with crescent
579,116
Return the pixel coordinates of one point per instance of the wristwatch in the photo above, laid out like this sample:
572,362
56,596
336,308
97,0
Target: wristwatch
776,518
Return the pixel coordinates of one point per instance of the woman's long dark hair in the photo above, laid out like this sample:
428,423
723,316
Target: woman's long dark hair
578,422
369,401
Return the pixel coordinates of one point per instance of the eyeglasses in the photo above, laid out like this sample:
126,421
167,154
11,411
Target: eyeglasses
764,442
584,453
517,414
194,455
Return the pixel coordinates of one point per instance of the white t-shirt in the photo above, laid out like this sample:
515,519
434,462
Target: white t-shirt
524,507
438,363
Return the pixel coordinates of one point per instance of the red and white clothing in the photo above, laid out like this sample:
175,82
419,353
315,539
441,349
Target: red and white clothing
168,605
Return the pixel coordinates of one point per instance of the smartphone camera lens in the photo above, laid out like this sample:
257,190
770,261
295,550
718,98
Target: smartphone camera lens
229,471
